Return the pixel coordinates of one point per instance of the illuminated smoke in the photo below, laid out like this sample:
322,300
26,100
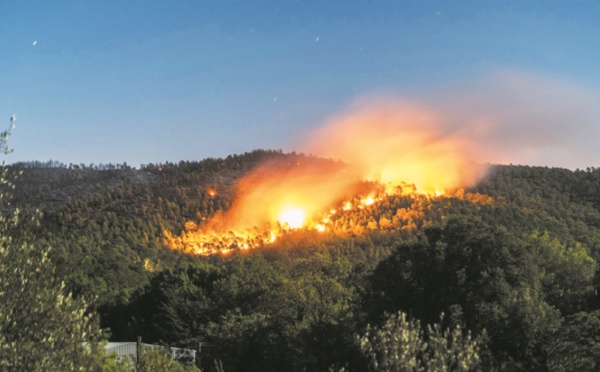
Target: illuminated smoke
505,117
396,142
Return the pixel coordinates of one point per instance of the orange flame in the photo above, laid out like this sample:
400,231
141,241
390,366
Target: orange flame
400,143
401,146
288,193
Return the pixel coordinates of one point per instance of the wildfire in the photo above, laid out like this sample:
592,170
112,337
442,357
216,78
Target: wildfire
289,192
400,143
368,201
293,217
401,150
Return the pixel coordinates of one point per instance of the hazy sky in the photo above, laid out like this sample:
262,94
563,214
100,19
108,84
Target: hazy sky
153,81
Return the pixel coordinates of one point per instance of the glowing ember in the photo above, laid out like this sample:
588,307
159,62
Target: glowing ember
368,201
347,206
292,216
320,227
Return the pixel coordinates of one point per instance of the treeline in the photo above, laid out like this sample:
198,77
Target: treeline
36,164
513,261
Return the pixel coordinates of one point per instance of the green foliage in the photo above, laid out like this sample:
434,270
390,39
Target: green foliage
100,361
478,274
514,258
576,345
566,273
42,327
401,345
159,360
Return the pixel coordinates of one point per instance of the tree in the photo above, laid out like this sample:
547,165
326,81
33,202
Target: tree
42,327
401,345
576,345
482,277
566,273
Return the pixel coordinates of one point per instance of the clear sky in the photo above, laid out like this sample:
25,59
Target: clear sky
152,81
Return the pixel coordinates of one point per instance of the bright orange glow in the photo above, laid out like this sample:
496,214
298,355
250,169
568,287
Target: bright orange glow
266,194
292,216
368,201
403,149
401,143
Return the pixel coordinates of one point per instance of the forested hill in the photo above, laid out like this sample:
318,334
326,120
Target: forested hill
46,183
512,260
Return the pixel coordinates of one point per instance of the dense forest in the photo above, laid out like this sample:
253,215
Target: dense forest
500,276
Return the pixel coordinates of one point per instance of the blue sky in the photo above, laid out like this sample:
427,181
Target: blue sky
154,81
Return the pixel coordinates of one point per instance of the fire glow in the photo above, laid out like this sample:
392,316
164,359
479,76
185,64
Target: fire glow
293,217
402,148
400,142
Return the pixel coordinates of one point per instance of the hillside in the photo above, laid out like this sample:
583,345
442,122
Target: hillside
515,255
43,187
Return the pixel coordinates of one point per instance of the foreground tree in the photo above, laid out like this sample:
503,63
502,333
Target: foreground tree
42,327
401,345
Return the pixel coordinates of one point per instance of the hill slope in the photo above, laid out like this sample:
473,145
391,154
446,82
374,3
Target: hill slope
515,255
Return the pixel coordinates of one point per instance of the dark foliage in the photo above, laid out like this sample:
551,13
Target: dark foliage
512,260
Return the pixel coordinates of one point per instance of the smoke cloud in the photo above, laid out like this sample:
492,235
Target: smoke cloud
506,117
520,118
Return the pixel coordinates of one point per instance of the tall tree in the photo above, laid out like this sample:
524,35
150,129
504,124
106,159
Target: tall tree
42,327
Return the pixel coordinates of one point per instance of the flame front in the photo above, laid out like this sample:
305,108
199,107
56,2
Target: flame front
402,148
